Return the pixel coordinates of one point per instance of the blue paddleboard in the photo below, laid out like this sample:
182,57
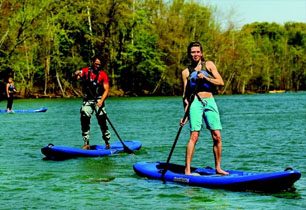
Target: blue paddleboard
25,111
53,152
236,180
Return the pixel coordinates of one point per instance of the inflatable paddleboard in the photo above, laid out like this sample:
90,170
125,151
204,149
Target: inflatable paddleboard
236,180
53,152
25,111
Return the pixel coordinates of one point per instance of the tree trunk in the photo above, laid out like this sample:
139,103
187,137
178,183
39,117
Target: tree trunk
4,37
59,83
90,29
243,87
47,72
228,82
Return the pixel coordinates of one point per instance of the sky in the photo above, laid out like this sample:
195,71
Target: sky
249,11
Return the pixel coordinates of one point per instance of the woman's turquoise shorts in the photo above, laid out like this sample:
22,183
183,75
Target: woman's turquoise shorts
209,113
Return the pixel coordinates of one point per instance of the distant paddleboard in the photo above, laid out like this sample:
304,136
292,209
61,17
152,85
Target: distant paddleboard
236,180
25,111
53,152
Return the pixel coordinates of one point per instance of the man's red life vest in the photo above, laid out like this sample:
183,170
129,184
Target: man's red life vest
93,80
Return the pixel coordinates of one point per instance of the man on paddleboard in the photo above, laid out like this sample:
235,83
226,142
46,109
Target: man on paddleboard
201,79
95,89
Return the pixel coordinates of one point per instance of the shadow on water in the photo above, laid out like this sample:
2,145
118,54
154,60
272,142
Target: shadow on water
290,194
109,179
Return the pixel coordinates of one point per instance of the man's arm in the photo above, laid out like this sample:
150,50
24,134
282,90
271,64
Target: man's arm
78,74
104,95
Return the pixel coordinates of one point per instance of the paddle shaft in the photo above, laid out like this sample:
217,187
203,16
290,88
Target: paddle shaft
193,95
128,150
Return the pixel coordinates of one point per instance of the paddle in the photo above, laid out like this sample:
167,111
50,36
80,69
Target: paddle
179,131
126,149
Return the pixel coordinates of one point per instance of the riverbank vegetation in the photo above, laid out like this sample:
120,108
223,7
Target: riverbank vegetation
143,43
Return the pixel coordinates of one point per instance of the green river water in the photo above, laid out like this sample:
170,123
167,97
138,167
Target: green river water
261,132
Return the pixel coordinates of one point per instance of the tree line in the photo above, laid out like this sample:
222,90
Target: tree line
143,45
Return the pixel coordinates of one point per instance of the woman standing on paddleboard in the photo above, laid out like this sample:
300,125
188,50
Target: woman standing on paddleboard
10,90
201,79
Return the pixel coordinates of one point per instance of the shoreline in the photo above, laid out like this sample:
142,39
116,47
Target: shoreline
131,94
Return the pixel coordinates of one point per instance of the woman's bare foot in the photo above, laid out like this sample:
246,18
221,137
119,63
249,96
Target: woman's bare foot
187,172
220,171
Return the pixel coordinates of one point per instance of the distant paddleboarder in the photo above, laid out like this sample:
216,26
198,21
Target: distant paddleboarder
95,89
204,76
10,90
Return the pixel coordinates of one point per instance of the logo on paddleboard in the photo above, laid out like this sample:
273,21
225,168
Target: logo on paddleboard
180,179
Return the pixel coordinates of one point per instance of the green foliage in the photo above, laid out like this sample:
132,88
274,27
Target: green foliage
143,66
143,43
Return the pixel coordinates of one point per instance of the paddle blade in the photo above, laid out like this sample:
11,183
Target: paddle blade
127,150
